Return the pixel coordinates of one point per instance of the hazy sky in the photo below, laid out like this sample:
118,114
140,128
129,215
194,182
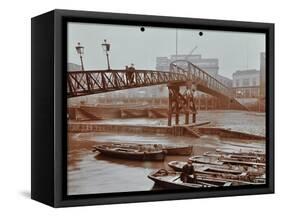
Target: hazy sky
235,50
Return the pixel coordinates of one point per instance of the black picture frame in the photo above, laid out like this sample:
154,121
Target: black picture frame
49,123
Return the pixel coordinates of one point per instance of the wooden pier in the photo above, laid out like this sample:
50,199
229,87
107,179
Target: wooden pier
194,130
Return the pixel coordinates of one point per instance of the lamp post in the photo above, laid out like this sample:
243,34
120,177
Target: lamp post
106,49
80,51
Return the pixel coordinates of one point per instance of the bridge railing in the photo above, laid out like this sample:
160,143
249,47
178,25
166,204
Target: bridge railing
96,81
90,82
199,76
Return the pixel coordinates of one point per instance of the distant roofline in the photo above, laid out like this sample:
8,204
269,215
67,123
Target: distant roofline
246,72
195,55
224,77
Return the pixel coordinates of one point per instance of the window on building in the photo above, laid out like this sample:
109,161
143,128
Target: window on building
255,94
247,93
254,82
237,83
246,82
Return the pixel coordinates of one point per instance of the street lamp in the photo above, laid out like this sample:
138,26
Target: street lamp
80,51
106,49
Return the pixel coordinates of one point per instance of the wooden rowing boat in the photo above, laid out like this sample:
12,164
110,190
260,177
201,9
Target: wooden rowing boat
223,172
178,165
240,152
131,154
178,150
214,160
237,161
236,157
168,149
205,160
171,180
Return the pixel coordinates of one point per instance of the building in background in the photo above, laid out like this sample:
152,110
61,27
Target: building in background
226,81
209,65
246,83
162,63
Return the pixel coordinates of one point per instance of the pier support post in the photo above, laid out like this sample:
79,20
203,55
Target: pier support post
170,109
193,117
180,103
187,118
176,93
174,103
169,119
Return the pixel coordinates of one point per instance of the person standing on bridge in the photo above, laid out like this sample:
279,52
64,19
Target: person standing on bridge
130,74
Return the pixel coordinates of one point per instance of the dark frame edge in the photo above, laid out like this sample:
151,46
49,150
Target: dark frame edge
270,90
125,17
154,197
42,94
263,27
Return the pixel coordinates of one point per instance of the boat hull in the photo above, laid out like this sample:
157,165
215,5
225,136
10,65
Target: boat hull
205,160
178,165
170,181
186,151
222,173
132,155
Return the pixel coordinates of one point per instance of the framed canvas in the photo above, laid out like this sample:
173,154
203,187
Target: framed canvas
134,108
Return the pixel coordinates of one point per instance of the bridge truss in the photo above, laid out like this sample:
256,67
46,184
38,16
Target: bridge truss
82,83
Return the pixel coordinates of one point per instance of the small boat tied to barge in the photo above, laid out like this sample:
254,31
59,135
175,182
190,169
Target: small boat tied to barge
178,150
118,151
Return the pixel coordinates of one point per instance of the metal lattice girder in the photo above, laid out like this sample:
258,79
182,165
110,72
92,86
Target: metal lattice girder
80,83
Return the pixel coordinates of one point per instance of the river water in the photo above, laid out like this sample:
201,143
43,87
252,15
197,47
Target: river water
92,173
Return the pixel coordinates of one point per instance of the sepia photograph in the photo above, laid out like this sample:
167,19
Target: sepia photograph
155,108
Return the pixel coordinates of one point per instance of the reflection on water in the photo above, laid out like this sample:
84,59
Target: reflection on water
90,173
